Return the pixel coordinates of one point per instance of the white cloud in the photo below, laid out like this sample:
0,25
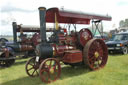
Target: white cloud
116,8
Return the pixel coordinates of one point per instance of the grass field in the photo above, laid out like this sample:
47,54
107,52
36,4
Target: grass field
114,73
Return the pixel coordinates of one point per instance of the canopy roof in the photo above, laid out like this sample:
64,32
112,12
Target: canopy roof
72,17
32,28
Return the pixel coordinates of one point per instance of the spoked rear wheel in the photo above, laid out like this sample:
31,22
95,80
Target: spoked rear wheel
49,70
95,54
32,67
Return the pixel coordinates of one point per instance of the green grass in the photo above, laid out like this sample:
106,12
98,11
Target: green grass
114,73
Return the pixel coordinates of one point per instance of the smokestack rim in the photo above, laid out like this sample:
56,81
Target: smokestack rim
42,8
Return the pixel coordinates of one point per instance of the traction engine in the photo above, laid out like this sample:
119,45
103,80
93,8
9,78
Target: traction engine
21,47
74,48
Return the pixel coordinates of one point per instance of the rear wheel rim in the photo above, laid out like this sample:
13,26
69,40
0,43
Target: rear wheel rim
95,54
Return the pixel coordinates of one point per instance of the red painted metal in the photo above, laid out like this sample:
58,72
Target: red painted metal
72,17
84,36
95,54
71,48
72,56
49,70
59,50
26,47
36,39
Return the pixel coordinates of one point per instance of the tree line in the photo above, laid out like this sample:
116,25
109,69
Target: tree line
123,23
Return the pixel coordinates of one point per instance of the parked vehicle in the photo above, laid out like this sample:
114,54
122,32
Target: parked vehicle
118,43
105,38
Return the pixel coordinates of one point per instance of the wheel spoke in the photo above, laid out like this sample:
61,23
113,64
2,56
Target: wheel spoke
93,61
34,67
44,74
33,72
31,64
55,66
50,64
45,65
30,69
90,59
97,52
53,76
51,71
98,62
37,72
49,78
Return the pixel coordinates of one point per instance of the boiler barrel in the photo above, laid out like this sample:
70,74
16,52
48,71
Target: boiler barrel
21,48
44,50
26,47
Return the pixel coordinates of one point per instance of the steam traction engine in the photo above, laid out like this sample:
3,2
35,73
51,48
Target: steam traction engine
73,48
22,46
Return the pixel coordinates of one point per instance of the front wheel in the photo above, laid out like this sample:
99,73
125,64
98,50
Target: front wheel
125,50
49,70
31,67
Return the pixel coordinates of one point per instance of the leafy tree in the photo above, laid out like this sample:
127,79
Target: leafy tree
123,23
126,22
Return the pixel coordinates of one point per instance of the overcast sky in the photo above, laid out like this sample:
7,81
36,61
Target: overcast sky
26,11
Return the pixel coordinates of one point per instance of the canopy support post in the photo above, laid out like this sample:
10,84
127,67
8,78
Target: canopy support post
96,24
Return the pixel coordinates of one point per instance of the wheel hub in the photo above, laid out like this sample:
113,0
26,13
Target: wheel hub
51,70
36,66
96,54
